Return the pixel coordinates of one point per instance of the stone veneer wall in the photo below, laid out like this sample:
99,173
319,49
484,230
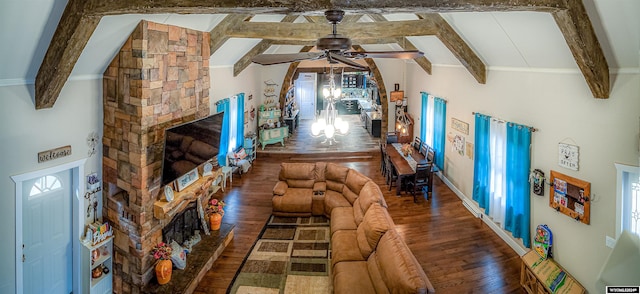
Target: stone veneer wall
159,78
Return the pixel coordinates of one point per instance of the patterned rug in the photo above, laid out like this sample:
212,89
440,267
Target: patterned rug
291,255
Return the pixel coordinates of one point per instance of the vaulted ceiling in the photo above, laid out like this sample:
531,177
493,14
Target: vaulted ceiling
521,34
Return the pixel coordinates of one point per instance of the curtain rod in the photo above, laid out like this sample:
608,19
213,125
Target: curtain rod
530,128
445,100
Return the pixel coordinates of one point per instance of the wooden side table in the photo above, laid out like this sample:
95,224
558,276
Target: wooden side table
539,275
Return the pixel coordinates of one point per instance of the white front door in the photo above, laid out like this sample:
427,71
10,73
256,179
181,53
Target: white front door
306,95
47,226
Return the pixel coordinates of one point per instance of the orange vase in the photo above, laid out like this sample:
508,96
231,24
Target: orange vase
164,267
214,221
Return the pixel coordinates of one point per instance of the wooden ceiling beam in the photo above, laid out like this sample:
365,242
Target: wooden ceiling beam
81,17
406,44
313,31
260,48
73,32
578,32
452,40
220,33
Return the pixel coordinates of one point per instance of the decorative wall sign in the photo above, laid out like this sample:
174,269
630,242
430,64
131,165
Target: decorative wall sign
92,142
458,144
54,153
469,150
460,126
570,196
568,156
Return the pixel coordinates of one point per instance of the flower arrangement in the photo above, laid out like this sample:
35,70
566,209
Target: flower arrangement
406,149
215,206
161,251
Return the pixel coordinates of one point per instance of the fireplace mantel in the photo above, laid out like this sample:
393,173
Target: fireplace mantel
202,188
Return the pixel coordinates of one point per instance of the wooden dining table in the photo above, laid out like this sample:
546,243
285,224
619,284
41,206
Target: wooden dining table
401,164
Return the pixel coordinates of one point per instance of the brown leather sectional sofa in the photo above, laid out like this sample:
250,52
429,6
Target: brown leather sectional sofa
367,253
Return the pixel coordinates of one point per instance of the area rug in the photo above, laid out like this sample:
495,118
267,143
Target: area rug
291,255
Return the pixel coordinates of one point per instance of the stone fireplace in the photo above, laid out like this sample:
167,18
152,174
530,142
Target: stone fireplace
159,78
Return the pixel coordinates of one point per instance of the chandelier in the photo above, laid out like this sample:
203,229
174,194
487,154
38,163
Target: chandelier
329,123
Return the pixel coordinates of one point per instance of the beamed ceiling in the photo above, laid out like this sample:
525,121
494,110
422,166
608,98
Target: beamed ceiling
81,18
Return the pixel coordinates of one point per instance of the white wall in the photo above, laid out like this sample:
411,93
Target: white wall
561,107
25,131
392,72
224,85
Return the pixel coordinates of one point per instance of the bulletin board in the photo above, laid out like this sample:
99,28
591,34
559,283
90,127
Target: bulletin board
570,196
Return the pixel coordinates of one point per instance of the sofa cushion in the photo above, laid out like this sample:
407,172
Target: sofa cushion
280,188
320,170
369,194
399,269
352,277
295,200
375,223
342,219
336,175
298,175
375,275
355,181
333,199
344,247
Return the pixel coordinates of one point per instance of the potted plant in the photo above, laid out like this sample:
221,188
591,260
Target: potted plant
162,253
215,209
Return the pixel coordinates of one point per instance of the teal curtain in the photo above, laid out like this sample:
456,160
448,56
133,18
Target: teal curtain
518,211
423,116
482,163
223,106
439,126
240,122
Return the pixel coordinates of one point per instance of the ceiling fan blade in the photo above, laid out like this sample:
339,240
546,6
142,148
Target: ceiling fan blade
268,59
409,54
345,60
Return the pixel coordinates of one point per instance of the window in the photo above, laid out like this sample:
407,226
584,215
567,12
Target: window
501,174
433,123
45,184
628,199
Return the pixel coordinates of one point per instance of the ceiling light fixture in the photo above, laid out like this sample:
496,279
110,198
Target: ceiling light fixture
329,123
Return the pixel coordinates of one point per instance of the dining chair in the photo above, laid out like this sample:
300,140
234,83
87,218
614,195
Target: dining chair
392,137
383,153
416,143
422,179
424,148
430,154
391,173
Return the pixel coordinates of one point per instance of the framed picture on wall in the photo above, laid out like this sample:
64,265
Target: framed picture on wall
187,179
396,96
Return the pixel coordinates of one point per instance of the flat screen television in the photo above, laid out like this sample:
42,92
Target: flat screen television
188,145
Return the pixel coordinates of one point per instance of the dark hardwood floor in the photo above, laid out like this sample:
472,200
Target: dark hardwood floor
456,250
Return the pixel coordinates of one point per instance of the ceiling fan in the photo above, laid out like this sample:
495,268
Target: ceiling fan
334,48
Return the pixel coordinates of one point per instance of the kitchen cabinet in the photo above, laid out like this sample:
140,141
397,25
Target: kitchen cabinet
373,123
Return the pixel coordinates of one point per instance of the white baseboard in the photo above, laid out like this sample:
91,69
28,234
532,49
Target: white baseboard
476,211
